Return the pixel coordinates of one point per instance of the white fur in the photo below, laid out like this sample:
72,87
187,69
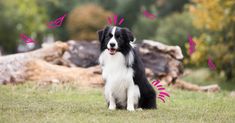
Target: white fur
119,80
113,40
130,58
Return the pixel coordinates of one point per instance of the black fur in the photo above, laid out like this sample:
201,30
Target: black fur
147,93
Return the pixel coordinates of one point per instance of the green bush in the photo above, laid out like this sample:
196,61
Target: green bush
20,16
145,28
216,20
174,30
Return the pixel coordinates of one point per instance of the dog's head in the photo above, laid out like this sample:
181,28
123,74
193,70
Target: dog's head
115,39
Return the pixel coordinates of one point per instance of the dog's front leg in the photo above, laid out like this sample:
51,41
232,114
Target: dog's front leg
112,104
133,96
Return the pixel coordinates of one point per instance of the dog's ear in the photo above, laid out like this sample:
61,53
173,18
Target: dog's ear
129,34
102,32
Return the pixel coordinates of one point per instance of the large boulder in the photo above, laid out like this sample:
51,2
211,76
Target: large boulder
82,54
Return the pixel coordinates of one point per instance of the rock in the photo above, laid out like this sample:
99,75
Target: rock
174,51
82,53
165,61
149,73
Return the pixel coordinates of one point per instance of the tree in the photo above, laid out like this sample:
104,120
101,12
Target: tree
167,7
174,30
55,9
20,16
215,18
84,21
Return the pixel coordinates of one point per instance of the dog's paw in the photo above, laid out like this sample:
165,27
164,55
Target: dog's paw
130,109
139,109
112,107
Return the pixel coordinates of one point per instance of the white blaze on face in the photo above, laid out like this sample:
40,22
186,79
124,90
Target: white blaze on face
113,40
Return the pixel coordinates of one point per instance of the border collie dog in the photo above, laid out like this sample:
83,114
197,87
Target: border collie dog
126,85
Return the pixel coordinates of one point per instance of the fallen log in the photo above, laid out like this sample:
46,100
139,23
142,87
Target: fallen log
180,84
13,67
57,63
46,73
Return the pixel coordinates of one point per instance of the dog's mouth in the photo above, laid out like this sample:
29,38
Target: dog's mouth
112,51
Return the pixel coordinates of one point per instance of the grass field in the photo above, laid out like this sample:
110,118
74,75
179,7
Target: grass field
28,103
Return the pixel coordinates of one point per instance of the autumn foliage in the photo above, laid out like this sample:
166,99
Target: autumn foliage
84,21
216,20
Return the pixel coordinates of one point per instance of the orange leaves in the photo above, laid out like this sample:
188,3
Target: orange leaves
208,14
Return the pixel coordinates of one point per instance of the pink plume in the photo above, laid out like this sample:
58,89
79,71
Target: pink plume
160,95
121,21
156,82
161,89
115,19
109,21
161,99
159,86
165,93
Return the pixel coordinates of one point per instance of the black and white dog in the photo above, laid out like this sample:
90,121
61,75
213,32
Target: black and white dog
126,85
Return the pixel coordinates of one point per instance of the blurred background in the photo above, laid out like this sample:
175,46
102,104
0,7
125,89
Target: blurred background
211,23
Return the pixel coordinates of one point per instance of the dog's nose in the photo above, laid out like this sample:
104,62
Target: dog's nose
112,44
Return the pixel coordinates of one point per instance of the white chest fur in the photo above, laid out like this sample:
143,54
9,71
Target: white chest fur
117,76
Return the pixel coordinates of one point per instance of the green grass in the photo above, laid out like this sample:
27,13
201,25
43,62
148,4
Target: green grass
29,103
204,76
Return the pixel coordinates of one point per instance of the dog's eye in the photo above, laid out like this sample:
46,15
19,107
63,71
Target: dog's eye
110,35
117,36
